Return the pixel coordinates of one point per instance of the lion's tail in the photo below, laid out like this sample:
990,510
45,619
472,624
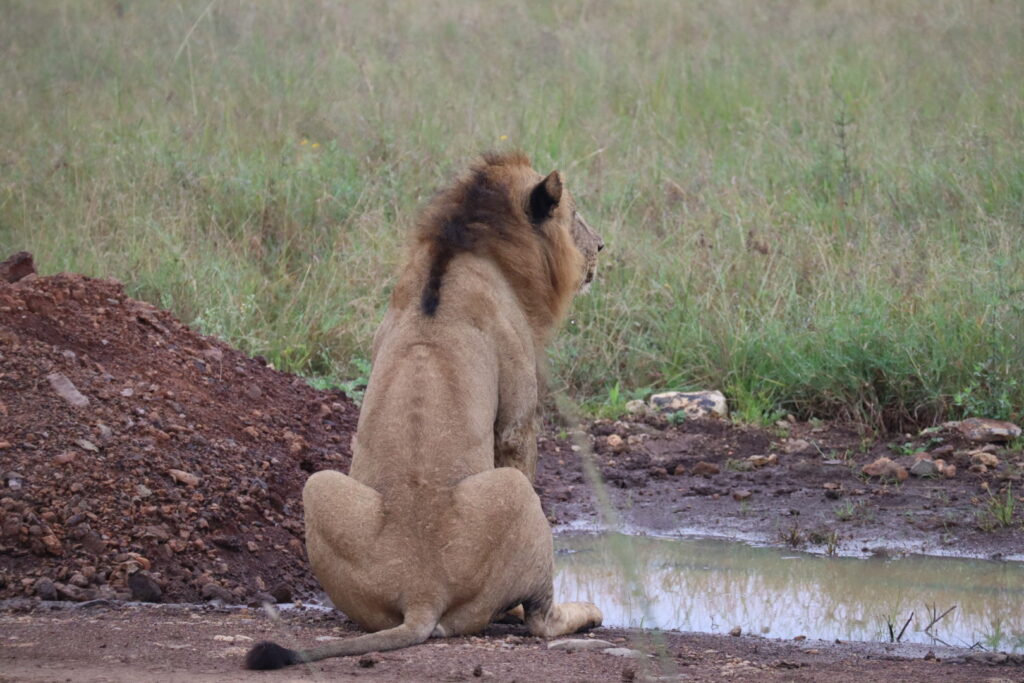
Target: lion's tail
418,626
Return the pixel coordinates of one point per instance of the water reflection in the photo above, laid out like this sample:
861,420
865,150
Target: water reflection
712,586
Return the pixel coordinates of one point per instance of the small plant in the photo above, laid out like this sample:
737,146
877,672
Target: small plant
792,537
677,418
355,388
846,511
1000,511
989,393
832,544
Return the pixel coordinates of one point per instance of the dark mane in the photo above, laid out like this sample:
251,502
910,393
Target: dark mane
476,209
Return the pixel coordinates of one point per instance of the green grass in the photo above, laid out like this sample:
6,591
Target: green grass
815,207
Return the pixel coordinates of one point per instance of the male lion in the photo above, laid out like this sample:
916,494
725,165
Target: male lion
437,530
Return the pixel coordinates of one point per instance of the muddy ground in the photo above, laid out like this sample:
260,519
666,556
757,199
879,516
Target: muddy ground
141,460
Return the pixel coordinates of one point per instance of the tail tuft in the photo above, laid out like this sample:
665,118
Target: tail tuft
268,655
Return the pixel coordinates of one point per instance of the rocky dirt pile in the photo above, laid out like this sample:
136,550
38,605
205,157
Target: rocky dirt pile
141,458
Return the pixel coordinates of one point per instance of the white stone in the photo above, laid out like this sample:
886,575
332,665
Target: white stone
694,404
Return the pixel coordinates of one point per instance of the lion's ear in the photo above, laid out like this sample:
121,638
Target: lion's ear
545,197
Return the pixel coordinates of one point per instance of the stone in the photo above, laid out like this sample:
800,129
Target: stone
52,545
66,390
790,446
983,458
757,461
695,404
636,407
925,467
143,588
183,477
741,494
886,469
78,579
17,266
282,593
87,445
736,631
579,644
678,470
705,469
213,591
984,430
45,589
65,457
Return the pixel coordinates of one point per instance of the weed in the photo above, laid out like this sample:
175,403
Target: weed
846,511
849,511
792,537
999,511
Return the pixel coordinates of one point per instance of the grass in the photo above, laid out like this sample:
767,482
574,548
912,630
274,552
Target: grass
814,208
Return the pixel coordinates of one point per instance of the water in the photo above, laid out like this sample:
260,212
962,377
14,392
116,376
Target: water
712,586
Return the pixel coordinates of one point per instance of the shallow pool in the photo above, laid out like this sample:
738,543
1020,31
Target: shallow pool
713,586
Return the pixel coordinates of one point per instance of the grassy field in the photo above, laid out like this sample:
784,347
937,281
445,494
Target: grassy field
817,207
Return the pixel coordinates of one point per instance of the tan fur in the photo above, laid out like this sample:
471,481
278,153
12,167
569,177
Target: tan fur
437,529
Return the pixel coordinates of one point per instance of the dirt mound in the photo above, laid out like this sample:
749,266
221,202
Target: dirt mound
140,457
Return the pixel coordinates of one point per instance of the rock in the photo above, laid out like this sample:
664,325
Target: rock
985,430
741,494
14,480
282,593
983,458
949,471
679,470
615,443
790,446
886,469
757,461
925,467
52,545
736,631
183,477
636,407
65,457
66,390
78,579
87,445
624,652
694,404
579,644
17,266
705,469
45,589
74,593
213,591
144,588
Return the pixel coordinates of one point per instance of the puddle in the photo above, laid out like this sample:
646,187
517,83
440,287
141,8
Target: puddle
712,586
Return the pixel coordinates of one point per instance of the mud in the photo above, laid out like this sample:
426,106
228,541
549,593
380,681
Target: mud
697,478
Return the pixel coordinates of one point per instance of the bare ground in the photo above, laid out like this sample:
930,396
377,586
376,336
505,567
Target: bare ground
177,479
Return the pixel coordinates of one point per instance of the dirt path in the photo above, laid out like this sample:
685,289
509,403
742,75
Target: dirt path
189,644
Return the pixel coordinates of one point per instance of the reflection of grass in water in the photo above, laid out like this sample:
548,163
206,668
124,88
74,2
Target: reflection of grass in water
703,585
620,547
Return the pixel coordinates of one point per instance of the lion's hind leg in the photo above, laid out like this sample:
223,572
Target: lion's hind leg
506,534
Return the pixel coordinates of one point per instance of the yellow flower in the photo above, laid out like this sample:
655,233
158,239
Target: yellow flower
503,137
304,141
315,145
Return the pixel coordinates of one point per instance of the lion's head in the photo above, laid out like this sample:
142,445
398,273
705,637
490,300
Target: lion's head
525,222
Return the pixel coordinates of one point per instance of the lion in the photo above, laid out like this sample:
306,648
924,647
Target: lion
437,530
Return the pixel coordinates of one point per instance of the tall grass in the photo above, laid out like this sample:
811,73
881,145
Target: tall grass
817,207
